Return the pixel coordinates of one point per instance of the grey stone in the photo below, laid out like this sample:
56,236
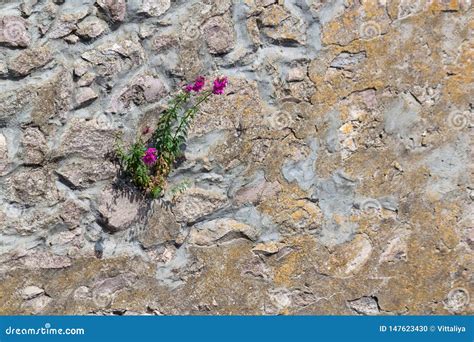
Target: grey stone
118,211
72,212
29,60
91,27
160,42
457,299
85,96
86,79
67,20
31,291
365,306
219,34
46,260
80,67
196,203
161,228
154,8
14,32
401,115
110,58
37,304
84,173
104,291
3,153
256,191
87,139
296,74
336,197
33,185
179,269
267,229
389,203
114,9
3,68
141,90
26,7
34,146
282,27
302,171
264,3
347,60
220,231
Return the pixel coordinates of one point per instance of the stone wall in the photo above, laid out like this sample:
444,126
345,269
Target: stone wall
333,177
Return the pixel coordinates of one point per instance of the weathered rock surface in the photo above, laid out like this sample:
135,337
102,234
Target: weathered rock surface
117,211
91,27
221,230
86,138
110,58
14,31
3,153
67,21
34,146
197,203
83,173
85,96
31,186
30,292
115,10
282,27
141,90
219,34
154,8
333,177
27,61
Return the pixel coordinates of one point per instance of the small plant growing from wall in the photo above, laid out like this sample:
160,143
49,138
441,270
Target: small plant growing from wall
148,163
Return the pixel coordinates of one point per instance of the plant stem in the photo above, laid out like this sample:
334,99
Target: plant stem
181,98
190,111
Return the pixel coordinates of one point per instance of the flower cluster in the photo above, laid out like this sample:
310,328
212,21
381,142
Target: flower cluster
150,156
219,85
197,85
149,163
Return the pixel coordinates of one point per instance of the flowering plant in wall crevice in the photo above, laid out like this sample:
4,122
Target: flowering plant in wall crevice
148,163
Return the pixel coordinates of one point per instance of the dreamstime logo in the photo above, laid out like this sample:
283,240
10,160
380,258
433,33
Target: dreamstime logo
190,31
46,330
102,298
194,208
460,119
15,30
280,120
370,30
371,207
407,8
457,299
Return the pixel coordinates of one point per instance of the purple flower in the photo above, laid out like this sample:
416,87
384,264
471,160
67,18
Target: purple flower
197,85
219,85
150,156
